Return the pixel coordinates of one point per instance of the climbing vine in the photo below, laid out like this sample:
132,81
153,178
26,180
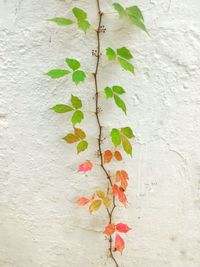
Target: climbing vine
121,138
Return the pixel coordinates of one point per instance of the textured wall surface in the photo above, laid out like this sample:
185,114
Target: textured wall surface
39,224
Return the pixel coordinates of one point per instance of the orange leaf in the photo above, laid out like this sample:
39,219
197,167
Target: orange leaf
110,229
82,201
107,156
124,174
92,197
95,205
118,155
80,133
118,176
122,228
124,184
85,166
119,244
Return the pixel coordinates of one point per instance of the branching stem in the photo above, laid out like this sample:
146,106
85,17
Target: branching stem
110,212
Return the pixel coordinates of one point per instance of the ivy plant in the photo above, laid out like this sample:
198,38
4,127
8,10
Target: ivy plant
120,138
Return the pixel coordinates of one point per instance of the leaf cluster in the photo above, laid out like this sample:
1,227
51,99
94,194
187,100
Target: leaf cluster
74,65
122,136
114,92
133,13
80,16
123,56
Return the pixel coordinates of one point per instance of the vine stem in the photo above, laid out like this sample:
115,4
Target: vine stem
110,212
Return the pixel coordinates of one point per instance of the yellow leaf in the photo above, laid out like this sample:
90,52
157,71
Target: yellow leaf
100,194
107,202
95,205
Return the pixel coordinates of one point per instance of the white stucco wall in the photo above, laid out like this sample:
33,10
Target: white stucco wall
39,224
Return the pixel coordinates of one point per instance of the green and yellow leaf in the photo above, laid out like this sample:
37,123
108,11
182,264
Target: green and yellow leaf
76,102
77,117
95,205
82,146
60,108
120,103
116,137
62,21
80,14
57,73
127,131
126,145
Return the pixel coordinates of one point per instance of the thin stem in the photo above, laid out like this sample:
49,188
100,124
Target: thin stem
110,213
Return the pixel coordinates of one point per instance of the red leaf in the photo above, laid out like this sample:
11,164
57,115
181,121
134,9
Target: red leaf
115,190
121,175
119,192
122,196
122,228
119,244
110,229
118,155
85,166
82,201
107,156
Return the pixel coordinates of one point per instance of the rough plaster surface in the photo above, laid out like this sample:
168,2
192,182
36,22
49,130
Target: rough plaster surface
40,225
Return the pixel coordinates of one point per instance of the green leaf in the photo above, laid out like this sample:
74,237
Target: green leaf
82,146
62,21
118,89
84,25
78,76
60,108
138,23
116,137
126,65
119,9
126,145
108,92
71,138
124,53
76,102
73,63
136,17
77,117
120,103
135,12
127,131
57,73
80,14
110,53
80,133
